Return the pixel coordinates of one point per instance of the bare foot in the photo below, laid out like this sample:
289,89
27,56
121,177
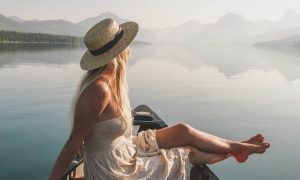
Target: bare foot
257,139
243,150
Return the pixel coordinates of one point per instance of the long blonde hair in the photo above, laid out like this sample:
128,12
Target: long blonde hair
116,68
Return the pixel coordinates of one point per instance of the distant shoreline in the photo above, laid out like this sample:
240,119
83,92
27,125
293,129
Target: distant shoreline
37,38
65,43
14,37
36,42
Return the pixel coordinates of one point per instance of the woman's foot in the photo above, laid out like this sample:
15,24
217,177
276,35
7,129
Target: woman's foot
241,151
257,139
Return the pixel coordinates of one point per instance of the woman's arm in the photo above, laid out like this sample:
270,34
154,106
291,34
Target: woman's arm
66,155
92,102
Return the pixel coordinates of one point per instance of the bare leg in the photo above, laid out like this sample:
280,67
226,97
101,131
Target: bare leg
244,149
242,156
198,157
185,135
257,139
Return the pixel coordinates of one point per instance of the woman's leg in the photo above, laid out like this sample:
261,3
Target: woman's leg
257,139
185,135
198,157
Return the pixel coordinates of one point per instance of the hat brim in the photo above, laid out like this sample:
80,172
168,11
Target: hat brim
90,62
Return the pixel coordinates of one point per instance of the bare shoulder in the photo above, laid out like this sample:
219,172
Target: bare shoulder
92,102
99,88
95,95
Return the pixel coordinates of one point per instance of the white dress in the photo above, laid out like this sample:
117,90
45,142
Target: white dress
112,152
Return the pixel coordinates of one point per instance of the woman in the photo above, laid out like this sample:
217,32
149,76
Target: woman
102,122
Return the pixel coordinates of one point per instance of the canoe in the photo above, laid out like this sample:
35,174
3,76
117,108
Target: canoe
144,118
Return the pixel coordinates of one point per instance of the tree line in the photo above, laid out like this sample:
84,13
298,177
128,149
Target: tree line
13,36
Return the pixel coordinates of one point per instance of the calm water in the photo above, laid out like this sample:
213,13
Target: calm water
233,92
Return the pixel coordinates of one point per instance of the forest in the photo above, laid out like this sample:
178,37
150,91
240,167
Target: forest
13,36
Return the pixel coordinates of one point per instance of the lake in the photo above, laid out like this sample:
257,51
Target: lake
232,91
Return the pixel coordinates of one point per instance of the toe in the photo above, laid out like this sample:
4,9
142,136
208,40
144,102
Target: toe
265,145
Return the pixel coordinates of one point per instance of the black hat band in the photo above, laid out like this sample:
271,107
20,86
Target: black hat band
109,45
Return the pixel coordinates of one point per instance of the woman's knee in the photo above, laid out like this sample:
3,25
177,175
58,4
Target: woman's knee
174,136
184,128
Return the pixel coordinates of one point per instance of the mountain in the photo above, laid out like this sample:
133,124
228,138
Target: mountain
9,24
179,33
287,26
59,27
231,20
16,18
147,35
234,28
144,34
289,20
63,27
89,22
228,28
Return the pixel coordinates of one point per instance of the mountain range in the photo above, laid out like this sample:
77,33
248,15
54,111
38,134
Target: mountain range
229,28
234,28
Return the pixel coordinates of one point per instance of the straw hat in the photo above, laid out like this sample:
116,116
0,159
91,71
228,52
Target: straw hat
106,40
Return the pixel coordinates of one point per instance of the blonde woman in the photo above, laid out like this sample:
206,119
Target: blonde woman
102,122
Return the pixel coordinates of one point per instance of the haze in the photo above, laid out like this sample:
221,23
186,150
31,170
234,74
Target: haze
150,14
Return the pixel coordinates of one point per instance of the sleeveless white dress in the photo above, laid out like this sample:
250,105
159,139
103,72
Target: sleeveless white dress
112,152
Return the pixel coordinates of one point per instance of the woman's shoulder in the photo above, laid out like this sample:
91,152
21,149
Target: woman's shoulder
100,86
96,91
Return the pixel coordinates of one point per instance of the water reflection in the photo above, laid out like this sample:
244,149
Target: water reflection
233,92
140,52
233,60
13,54
229,60
285,60
229,91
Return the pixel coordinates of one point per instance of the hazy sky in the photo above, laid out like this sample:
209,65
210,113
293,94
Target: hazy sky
149,13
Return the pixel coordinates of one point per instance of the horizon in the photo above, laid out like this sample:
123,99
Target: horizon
204,11
167,26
